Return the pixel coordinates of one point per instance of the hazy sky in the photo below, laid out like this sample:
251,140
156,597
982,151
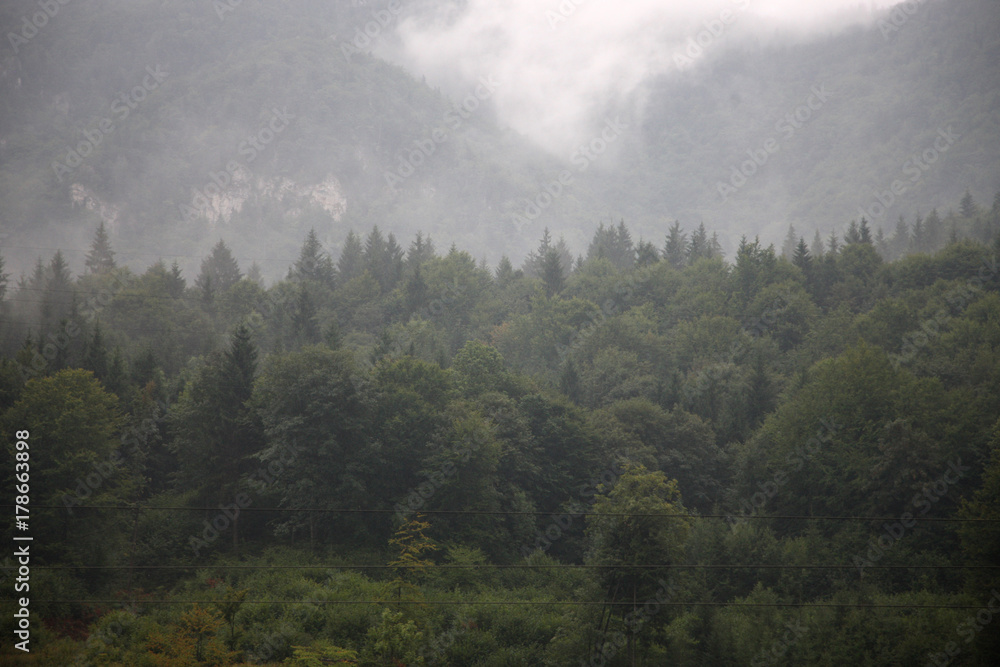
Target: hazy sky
566,64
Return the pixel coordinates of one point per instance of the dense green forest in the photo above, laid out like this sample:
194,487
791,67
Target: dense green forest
311,355
396,455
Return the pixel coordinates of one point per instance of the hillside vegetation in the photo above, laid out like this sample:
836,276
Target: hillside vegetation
399,456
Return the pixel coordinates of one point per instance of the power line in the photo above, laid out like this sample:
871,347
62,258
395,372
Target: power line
588,603
174,508
518,566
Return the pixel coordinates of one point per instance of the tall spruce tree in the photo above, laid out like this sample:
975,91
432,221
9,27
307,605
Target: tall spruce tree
420,251
623,249
864,232
217,430
352,258
219,271
504,272
698,246
552,273
816,249
58,294
565,255
675,250
714,247
101,258
790,244
802,258
833,244
532,266
313,264
853,234
394,260
933,231
176,283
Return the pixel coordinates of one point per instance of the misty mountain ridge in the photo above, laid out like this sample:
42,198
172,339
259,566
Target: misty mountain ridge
740,141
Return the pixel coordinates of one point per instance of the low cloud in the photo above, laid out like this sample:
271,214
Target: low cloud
568,64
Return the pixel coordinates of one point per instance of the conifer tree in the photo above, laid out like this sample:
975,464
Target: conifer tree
816,249
411,546
394,254
101,258
375,251
254,274
565,256
219,271
383,258
853,234
791,242
552,273
714,247
675,250
802,258
601,243
613,244
504,272
532,266
36,283
313,264
176,284
58,292
864,232
698,247
420,251
624,250
646,254
352,259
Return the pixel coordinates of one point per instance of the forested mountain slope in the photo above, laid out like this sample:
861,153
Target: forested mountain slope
365,143
657,456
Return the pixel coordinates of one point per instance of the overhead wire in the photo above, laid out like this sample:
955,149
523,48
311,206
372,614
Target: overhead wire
586,603
519,566
474,512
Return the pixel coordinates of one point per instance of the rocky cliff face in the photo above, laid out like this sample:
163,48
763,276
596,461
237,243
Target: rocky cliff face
218,205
